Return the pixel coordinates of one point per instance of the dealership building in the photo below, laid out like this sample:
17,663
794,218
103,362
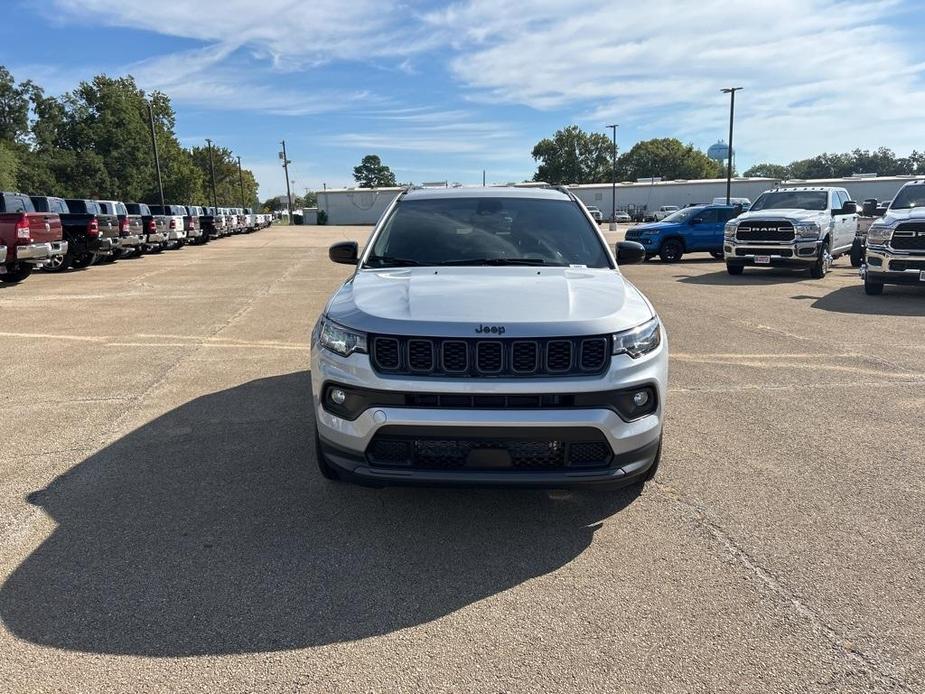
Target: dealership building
366,205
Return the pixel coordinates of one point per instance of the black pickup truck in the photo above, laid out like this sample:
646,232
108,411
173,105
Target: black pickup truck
88,231
155,228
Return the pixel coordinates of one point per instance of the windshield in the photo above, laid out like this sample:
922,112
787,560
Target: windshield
487,231
792,200
909,197
682,216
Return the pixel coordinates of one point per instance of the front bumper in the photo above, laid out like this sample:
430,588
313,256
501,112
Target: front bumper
634,445
792,254
894,267
37,252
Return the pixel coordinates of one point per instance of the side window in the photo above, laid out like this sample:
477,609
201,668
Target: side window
708,217
726,214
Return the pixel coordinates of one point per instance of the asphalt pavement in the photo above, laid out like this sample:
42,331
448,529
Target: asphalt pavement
163,526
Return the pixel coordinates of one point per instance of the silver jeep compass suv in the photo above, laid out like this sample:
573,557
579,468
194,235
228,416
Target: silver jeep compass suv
488,337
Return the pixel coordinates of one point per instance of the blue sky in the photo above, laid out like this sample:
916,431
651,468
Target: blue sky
445,90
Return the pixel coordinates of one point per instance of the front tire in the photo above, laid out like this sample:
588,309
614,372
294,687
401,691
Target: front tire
671,251
58,263
872,287
734,268
83,260
857,255
821,267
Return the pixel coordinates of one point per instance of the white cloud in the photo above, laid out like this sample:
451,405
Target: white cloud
658,67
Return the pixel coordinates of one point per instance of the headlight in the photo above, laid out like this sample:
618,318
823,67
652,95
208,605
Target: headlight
879,234
806,230
638,341
341,340
729,231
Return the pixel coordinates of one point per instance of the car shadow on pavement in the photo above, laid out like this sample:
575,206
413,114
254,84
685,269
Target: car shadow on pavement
895,301
760,276
210,531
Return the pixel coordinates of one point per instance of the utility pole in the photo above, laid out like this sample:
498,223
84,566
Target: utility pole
212,176
157,160
286,163
241,179
483,178
613,189
731,91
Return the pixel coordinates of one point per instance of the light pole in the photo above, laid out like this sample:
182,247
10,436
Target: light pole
157,161
241,181
212,176
613,190
731,91
286,163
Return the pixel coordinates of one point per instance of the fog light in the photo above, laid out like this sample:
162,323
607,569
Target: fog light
337,396
640,398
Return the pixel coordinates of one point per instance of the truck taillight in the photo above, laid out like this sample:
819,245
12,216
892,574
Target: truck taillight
23,232
123,226
173,223
152,226
93,227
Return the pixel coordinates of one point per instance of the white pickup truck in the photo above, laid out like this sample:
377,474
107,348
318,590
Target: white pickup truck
792,227
895,251
663,212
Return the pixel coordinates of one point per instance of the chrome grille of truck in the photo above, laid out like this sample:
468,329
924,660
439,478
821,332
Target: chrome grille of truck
486,358
764,231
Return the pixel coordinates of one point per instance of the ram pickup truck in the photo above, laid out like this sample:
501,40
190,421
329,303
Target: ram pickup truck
172,216
805,227
28,238
895,252
155,228
90,234
131,230
487,336
191,224
697,229
664,211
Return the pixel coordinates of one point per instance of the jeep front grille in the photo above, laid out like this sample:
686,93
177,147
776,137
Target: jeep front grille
490,357
753,230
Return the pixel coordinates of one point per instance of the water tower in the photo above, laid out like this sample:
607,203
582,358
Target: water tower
718,152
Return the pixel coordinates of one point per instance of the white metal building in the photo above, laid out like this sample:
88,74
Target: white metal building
366,205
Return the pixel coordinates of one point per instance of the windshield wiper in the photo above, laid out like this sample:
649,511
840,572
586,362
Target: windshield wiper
391,261
496,261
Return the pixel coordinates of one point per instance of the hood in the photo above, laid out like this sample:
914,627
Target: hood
456,301
649,226
791,214
892,217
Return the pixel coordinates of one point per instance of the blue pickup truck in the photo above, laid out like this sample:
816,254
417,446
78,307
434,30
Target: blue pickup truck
695,229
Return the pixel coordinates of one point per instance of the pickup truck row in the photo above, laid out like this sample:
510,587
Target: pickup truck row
55,234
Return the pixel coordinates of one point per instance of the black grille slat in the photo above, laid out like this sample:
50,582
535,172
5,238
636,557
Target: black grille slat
593,354
558,356
909,236
764,231
421,355
387,353
490,358
903,265
782,252
455,356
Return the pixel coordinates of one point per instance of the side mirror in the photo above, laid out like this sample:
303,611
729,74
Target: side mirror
344,252
850,207
630,252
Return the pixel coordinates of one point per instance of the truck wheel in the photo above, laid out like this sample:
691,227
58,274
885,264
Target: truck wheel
324,467
82,260
109,258
58,263
717,254
857,255
671,251
734,268
15,273
823,262
871,286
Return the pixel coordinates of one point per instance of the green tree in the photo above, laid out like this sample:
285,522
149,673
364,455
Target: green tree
667,158
14,107
572,155
227,182
372,173
9,165
768,171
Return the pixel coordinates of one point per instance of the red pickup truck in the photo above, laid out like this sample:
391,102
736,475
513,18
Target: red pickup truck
28,239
